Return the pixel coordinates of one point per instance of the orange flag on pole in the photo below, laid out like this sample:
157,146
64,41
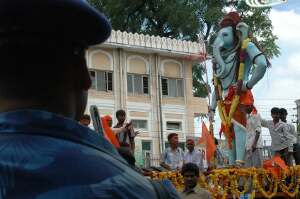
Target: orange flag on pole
109,134
209,141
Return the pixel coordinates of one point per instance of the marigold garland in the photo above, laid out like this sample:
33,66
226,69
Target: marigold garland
226,182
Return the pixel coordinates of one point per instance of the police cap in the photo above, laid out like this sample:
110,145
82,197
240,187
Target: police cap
70,21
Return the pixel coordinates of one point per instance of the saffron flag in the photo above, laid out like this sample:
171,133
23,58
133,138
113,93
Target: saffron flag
109,134
209,141
275,165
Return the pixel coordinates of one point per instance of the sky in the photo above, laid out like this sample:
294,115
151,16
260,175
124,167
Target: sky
280,85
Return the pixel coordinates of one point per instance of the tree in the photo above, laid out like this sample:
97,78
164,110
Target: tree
199,83
184,19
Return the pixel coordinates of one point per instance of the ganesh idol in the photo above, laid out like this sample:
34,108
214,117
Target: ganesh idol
238,65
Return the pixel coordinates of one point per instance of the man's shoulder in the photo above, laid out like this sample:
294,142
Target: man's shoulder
199,193
282,124
204,193
85,165
197,152
291,126
117,125
255,116
180,150
269,123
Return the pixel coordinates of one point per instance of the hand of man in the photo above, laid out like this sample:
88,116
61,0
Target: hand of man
165,166
253,148
128,125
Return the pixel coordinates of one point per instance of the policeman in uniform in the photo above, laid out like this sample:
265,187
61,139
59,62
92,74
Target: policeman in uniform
44,152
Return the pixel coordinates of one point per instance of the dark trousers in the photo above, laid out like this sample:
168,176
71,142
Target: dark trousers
283,153
297,153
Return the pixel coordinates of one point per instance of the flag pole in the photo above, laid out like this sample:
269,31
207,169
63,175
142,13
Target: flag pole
203,63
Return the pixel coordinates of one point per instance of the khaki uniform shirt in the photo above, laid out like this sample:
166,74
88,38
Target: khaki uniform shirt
197,194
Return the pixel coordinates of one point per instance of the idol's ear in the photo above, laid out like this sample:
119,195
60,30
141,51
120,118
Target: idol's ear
243,30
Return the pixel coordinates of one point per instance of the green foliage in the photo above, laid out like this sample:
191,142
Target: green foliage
200,88
184,19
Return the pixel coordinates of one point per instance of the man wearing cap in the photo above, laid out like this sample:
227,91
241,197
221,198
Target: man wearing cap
254,154
172,158
192,155
45,153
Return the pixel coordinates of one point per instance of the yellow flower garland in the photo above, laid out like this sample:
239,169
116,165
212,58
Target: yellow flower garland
293,180
273,187
222,182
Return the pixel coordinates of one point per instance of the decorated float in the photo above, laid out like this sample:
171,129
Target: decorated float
239,64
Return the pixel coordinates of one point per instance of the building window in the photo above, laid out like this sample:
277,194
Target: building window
101,80
137,84
172,87
174,126
140,124
146,145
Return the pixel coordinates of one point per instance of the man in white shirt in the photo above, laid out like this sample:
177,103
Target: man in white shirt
292,136
254,155
279,134
172,158
192,155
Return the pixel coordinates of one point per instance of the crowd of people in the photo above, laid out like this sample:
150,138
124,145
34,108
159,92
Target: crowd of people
123,132
189,163
284,138
284,143
47,151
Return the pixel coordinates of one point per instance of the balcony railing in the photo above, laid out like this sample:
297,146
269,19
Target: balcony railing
155,42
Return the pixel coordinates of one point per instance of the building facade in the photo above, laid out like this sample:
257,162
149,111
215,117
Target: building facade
151,79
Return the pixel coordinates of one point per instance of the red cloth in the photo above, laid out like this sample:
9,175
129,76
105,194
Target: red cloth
108,118
209,141
246,98
238,116
254,111
108,133
231,19
275,165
